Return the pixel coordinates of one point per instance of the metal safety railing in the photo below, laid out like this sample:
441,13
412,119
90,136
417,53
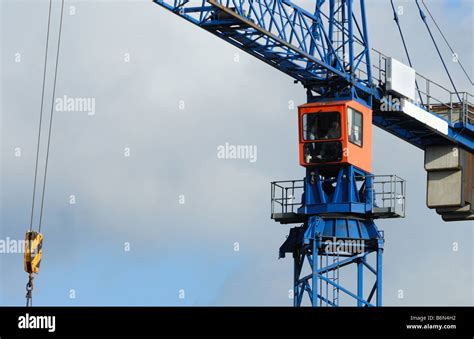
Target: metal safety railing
452,106
389,195
282,29
388,199
286,196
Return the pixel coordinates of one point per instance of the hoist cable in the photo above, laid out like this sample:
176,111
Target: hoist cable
51,116
397,21
33,246
423,17
41,117
447,43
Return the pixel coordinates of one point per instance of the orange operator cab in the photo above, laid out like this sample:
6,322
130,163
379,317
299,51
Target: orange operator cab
334,133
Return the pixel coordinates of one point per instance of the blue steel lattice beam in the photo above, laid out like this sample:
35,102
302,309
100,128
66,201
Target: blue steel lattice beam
325,284
336,208
325,48
315,49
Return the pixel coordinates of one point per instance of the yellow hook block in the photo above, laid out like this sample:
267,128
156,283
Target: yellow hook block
33,251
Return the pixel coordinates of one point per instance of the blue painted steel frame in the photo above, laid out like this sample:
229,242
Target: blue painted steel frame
293,40
338,203
312,283
329,56
346,197
417,133
327,50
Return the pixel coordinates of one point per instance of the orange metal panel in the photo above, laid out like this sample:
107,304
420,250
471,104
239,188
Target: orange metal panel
358,156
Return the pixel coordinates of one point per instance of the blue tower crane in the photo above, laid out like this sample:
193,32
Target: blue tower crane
349,87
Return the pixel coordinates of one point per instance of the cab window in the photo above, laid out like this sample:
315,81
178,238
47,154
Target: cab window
322,152
354,126
321,126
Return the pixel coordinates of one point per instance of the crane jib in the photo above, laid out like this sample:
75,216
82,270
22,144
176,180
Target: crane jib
331,59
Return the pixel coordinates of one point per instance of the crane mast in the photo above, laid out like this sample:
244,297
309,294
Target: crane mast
350,87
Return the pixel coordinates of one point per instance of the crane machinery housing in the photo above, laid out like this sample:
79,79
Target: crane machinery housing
350,87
